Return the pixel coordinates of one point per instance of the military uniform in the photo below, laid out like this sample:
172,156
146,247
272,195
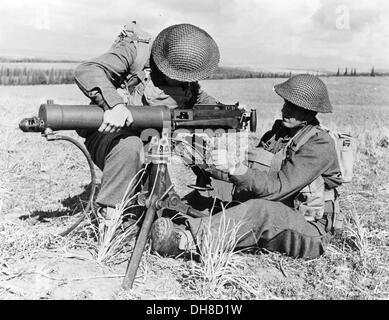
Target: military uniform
269,219
125,75
287,199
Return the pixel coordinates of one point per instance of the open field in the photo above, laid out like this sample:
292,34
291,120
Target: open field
43,184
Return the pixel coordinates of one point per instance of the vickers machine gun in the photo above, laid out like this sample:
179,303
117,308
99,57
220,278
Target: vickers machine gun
53,117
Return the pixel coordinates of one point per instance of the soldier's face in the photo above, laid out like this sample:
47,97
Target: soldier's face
293,116
173,82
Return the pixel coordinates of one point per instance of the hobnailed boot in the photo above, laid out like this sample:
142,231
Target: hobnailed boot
168,240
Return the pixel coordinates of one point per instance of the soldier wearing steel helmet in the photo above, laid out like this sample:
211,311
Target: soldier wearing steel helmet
139,71
288,201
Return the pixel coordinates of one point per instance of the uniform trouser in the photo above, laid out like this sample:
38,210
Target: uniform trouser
265,224
270,225
118,155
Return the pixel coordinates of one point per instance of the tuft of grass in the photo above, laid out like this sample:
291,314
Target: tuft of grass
112,235
356,233
220,271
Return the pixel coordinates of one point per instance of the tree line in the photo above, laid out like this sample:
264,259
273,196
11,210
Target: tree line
36,76
236,73
353,73
27,76
33,76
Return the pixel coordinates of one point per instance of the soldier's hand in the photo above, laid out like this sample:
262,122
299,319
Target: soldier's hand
227,162
222,160
243,107
115,119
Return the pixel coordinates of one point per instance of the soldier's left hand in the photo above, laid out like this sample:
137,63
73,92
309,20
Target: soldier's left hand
227,162
222,160
219,158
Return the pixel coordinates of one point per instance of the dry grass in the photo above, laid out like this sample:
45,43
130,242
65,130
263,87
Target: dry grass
42,186
220,270
113,239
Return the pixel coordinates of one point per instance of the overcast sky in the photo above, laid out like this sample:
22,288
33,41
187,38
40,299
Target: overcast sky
314,34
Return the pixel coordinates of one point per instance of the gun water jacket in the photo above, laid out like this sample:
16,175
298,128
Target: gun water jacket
124,75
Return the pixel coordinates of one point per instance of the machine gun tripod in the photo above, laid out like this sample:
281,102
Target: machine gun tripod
157,195
161,196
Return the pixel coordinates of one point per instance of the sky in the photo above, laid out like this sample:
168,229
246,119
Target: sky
259,34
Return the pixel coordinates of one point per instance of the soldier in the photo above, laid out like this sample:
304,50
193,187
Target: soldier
139,71
289,189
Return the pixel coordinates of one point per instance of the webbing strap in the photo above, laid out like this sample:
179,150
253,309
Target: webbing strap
302,137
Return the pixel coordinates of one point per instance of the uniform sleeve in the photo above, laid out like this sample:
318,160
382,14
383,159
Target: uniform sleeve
99,78
303,167
205,98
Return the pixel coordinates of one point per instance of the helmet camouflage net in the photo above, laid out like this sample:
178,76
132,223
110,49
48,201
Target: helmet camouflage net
306,91
185,52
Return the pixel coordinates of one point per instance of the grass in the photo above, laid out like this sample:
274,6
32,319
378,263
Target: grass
113,238
356,234
25,76
44,184
220,270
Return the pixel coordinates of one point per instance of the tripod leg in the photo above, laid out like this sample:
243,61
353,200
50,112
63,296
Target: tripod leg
157,186
133,264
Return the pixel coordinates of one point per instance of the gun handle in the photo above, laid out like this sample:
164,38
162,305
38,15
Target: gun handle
203,179
253,120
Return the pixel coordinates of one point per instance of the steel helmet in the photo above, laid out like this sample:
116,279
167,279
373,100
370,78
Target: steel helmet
185,52
306,91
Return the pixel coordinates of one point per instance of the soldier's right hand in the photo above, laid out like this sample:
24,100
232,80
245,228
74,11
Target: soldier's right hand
115,118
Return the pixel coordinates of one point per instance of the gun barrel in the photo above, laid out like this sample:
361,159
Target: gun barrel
75,117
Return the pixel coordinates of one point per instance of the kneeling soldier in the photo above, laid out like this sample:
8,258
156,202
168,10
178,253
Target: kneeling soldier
140,71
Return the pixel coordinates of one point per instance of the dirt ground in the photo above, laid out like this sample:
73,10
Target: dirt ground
45,184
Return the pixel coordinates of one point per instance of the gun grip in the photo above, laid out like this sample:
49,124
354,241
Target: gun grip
253,120
203,180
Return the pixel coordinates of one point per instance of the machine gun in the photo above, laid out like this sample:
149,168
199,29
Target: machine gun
53,117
